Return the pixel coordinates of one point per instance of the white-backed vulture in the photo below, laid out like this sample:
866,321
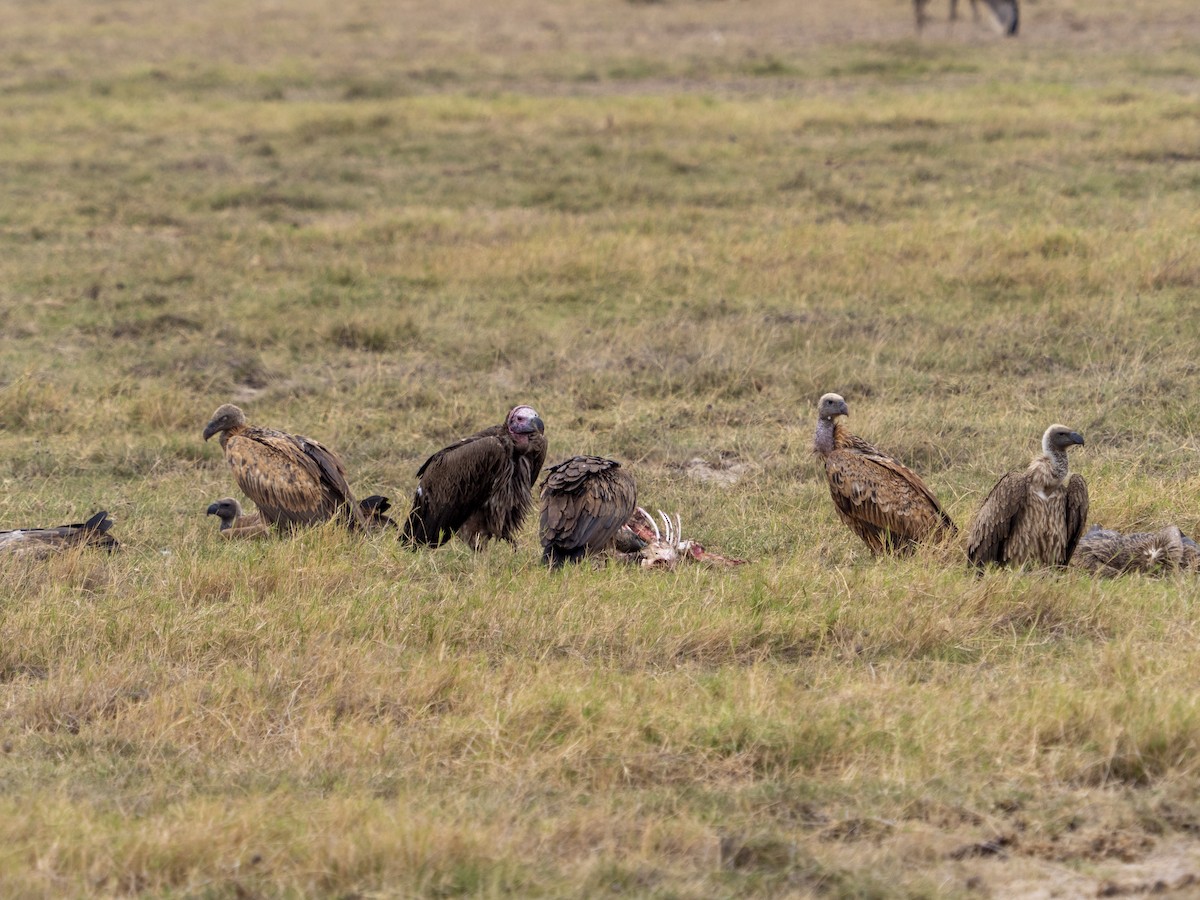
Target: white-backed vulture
879,498
236,524
293,480
480,487
586,501
42,541
1103,551
1036,515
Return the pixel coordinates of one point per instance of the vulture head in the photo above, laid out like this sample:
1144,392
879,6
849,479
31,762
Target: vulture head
227,510
523,421
831,406
1058,438
226,417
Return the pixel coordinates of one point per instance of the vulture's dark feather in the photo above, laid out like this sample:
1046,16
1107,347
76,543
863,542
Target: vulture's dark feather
586,500
479,487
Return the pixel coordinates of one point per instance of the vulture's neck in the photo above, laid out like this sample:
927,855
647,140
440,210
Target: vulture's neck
229,433
1058,463
825,440
1050,470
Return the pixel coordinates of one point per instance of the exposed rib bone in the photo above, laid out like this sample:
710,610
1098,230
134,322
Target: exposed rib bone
653,525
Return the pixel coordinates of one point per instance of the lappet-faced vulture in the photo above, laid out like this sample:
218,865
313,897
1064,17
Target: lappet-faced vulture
293,480
586,501
1103,551
1036,515
481,486
41,541
879,498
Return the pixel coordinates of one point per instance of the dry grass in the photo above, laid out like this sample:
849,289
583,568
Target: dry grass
670,227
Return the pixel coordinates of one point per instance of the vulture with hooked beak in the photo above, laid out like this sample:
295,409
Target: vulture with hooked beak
42,541
586,501
879,498
1036,515
293,480
481,486
236,524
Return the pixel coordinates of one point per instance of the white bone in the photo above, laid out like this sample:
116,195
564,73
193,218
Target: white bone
653,525
667,525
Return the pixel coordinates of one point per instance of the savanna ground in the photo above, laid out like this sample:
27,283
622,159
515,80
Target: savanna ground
670,227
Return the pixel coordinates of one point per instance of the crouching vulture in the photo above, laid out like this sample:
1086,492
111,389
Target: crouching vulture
879,498
43,541
586,501
293,480
1103,551
236,524
1036,515
480,487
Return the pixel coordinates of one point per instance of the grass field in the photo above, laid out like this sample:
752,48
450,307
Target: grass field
669,226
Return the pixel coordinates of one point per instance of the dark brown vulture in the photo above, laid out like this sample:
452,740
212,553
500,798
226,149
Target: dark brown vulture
293,480
236,524
1103,551
1036,515
586,501
43,541
879,498
481,486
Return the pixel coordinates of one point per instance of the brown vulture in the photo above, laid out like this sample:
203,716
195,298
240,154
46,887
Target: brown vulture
1036,515
1103,551
879,498
293,480
42,541
586,501
236,524
481,486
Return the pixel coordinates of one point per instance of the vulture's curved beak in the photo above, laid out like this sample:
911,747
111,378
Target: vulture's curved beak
210,429
533,424
1075,438
214,509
